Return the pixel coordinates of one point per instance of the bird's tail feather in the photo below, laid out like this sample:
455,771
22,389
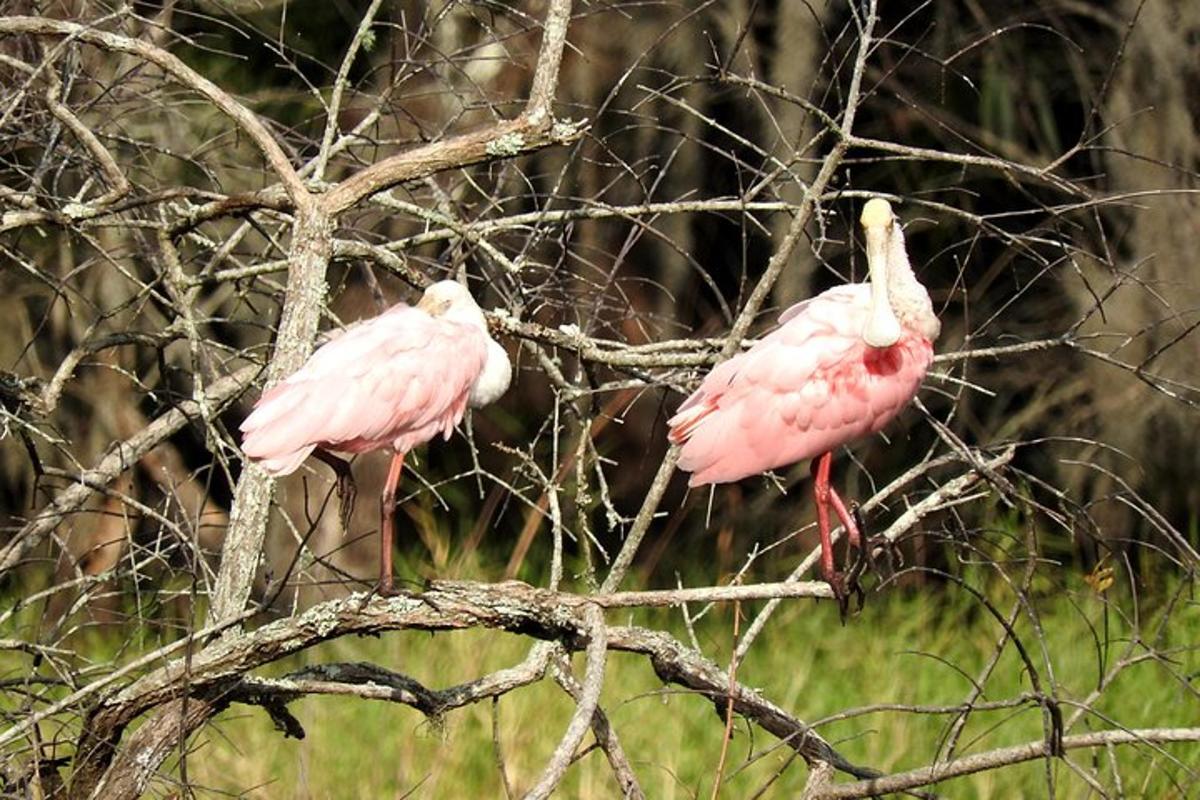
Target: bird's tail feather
285,463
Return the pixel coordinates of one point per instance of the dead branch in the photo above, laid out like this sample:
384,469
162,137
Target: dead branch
243,117
210,675
1004,756
120,458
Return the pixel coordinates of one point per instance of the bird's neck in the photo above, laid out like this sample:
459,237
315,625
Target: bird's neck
908,298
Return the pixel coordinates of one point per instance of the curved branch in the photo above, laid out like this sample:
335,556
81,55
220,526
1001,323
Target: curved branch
169,63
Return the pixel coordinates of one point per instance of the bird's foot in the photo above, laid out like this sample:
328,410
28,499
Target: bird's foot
347,491
855,568
387,587
845,587
878,554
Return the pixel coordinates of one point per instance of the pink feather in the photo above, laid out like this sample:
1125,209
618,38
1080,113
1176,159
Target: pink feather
805,389
397,380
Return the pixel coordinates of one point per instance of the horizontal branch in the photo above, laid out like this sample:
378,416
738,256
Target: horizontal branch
372,682
704,594
594,210
510,606
927,155
446,605
675,353
1002,757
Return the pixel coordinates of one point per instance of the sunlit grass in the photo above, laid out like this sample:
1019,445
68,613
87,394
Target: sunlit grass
908,648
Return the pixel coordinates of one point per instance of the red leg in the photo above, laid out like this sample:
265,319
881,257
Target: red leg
847,519
820,473
387,525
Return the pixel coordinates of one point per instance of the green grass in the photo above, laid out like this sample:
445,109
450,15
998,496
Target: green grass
910,648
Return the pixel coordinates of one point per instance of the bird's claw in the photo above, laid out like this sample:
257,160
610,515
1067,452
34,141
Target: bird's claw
868,557
848,585
845,586
343,483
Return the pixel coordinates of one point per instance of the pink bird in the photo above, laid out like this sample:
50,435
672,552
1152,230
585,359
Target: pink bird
395,381
840,366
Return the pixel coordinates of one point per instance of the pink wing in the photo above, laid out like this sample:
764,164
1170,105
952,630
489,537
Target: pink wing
808,387
398,379
846,293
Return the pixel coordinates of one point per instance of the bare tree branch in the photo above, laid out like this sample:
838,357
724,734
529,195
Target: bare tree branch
163,169
1003,756
120,458
243,117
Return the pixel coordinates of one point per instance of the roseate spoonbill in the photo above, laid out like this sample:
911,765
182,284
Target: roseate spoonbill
839,367
396,381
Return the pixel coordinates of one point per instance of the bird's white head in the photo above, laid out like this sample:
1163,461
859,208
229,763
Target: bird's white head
879,226
451,300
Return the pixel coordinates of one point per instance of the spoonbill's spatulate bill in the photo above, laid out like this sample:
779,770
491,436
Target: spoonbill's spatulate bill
395,381
838,368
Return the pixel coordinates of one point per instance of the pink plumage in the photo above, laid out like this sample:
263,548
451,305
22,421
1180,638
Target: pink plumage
808,387
397,381
839,367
